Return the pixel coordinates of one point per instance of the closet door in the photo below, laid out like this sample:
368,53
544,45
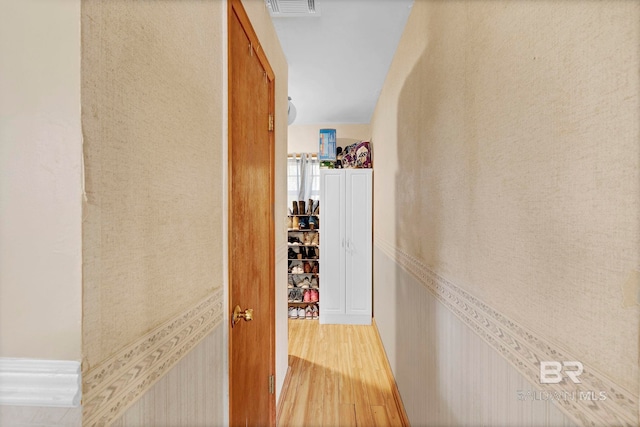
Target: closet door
332,244
359,244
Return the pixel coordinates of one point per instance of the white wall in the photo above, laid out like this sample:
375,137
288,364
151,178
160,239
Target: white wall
40,185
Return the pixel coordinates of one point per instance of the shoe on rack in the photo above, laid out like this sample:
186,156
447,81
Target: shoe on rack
314,283
289,222
301,207
297,297
293,313
305,284
310,207
315,312
315,239
290,283
291,295
295,208
313,222
306,238
311,253
314,268
292,254
314,297
303,222
307,267
295,222
307,296
293,240
316,208
308,313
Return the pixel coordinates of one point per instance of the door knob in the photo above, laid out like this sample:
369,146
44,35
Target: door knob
238,314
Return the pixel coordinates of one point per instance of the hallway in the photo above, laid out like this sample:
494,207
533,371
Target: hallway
506,217
339,376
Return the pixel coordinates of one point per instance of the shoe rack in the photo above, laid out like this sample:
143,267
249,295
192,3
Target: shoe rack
303,260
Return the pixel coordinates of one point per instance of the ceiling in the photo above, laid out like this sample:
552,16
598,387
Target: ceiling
339,57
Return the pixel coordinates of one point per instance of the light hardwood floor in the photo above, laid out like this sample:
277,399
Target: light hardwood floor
339,376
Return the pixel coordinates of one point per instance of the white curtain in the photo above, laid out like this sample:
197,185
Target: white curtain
303,178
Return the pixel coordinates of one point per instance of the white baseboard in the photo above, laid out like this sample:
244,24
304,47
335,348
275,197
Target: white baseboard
34,382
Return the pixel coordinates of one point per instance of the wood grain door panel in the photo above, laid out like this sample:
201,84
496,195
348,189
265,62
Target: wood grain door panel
251,226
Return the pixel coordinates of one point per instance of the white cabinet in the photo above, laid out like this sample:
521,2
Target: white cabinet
346,250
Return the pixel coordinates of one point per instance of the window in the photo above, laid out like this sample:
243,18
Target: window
295,180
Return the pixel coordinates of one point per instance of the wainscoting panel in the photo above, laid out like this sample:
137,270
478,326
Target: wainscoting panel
38,416
183,398
447,373
191,394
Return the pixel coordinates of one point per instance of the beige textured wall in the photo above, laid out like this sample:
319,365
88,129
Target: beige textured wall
510,136
261,22
153,118
304,138
41,182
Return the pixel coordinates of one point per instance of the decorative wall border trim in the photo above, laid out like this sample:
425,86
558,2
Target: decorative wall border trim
523,348
115,384
35,382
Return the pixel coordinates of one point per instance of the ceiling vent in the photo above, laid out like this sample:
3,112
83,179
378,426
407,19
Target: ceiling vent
292,8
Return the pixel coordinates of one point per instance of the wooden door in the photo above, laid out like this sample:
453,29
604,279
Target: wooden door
251,226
